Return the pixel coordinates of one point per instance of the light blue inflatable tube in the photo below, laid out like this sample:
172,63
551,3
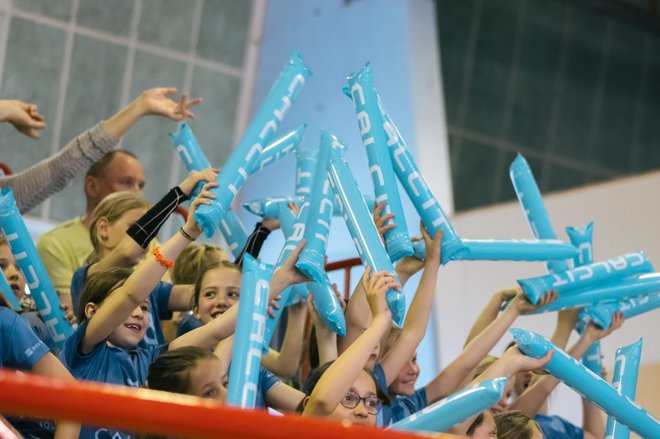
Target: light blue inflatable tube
326,302
624,380
361,226
611,293
194,159
419,192
8,293
531,202
582,239
370,122
456,408
248,338
317,230
270,207
36,276
305,165
565,368
258,134
586,276
292,240
233,231
601,314
278,148
516,250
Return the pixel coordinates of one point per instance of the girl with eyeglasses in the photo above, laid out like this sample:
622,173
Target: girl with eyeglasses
343,389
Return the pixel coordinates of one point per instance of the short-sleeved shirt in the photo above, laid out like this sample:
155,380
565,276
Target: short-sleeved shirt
554,427
41,330
20,348
107,364
402,406
187,324
63,250
158,306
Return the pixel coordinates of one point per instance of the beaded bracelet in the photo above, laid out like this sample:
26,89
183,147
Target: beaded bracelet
186,234
161,259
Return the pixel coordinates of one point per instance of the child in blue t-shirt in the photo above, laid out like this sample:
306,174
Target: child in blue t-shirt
21,349
115,314
121,229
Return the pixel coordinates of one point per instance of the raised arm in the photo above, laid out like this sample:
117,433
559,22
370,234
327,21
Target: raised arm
490,312
417,317
123,300
449,380
536,394
326,339
339,377
285,362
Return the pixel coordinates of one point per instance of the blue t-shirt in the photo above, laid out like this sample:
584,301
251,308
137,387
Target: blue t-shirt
402,406
158,306
41,330
554,427
187,324
107,364
20,348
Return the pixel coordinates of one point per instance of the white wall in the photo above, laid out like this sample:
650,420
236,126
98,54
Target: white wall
625,213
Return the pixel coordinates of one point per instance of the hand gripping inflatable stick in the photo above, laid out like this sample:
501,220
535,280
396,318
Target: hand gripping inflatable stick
565,368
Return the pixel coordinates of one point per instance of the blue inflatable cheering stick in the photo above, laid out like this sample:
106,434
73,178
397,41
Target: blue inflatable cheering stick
624,380
36,276
565,368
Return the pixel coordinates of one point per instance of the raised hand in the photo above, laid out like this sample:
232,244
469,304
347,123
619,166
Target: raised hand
524,306
188,185
380,220
24,116
157,101
375,286
205,196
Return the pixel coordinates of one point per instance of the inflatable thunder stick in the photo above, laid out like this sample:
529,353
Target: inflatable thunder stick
249,335
8,293
582,239
361,226
596,273
305,165
626,369
565,368
270,207
194,159
258,134
370,122
606,295
418,191
601,314
311,261
279,148
34,272
515,250
529,196
327,304
456,408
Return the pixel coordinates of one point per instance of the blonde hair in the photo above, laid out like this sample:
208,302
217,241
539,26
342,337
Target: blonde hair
112,207
192,262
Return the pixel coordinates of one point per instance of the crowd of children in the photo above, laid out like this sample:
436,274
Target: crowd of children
130,290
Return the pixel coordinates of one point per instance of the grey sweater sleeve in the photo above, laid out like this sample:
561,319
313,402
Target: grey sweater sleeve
51,175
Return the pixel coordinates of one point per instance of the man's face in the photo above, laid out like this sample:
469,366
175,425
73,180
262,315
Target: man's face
124,173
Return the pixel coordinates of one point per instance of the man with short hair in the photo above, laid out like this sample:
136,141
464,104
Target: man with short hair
66,247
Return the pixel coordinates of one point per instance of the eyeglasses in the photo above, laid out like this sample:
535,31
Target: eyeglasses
372,403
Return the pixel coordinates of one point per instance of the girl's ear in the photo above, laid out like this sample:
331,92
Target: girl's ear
196,313
90,310
102,229
305,401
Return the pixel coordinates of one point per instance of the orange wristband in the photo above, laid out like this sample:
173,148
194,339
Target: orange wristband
161,259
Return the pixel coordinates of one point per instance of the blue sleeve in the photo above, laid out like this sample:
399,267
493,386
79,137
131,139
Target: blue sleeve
77,284
20,347
555,427
379,377
41,330
187,324
161,299
419,399
76,362
267,380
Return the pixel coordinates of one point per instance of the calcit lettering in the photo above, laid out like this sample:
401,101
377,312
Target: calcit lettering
358,95
375,169
364,123
183,153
